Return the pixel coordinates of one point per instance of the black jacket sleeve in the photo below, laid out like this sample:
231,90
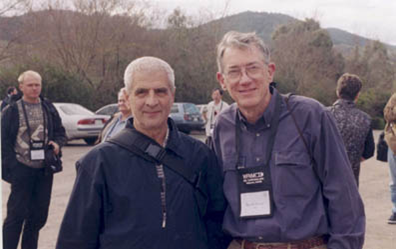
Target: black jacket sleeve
9,130
369,148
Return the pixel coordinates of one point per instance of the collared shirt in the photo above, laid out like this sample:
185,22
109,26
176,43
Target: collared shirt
118,125
355,128
308,201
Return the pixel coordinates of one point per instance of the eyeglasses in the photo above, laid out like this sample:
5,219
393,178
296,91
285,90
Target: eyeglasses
252,71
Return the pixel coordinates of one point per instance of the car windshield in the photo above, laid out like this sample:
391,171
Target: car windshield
190,108
75,109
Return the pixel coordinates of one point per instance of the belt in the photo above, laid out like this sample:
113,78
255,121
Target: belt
301,244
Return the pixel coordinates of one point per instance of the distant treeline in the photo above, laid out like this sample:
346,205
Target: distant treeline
82,55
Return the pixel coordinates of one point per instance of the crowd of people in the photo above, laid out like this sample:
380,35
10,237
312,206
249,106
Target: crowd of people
276,171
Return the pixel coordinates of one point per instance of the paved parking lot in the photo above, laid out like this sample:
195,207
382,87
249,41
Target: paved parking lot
373,188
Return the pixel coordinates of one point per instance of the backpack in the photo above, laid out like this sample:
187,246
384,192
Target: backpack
382,149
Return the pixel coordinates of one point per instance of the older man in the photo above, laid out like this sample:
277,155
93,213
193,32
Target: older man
28,126
287,178
150,186
119,120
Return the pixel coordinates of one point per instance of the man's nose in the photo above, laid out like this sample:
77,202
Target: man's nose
152,100
244,77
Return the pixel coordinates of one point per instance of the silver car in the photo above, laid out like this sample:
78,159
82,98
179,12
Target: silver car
186,116
79,122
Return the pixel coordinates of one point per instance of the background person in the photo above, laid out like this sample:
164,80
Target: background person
11,91
210,112
389,135
354,124
27,127
286,186
125,200
118,121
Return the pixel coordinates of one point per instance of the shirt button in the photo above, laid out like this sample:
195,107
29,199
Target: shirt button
258,134
260,237
258,159
268,125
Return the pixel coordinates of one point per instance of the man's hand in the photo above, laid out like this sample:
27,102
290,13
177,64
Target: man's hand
55,145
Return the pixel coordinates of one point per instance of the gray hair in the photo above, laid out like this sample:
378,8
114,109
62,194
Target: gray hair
147,64
234,39
121,91
21,77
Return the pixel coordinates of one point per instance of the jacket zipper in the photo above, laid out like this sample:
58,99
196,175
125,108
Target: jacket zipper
162,178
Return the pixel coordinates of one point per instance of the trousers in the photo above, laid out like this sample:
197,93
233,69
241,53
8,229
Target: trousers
27,206
393,183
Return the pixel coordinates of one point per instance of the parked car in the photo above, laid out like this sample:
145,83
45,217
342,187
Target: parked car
79,122
109,109
201,107
186,116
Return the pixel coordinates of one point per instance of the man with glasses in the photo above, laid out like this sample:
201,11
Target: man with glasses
287,177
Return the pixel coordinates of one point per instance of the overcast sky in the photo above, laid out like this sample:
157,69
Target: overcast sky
369,18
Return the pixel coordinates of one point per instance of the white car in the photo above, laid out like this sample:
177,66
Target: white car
80,123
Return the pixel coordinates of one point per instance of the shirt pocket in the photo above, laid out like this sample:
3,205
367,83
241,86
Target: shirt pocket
294,174
229,163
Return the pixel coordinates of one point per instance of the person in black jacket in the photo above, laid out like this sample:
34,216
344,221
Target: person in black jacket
29,126
123,199
12,92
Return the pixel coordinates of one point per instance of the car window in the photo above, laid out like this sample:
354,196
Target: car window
174,109
74,109
190,108
108,110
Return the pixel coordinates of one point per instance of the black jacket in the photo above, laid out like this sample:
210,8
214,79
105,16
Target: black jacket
9,132
116,200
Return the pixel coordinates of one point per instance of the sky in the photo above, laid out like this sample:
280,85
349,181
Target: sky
375,19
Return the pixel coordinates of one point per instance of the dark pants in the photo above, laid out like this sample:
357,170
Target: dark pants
27,206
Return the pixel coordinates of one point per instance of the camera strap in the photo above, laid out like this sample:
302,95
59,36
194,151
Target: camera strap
147,148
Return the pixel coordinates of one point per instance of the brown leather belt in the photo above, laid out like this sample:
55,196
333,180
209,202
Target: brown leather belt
301,244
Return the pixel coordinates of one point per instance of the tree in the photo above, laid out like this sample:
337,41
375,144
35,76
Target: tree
305,59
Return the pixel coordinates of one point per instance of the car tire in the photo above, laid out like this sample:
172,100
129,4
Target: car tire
186,131
90,141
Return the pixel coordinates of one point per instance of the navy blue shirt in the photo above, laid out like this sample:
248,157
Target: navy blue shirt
116,199
304,206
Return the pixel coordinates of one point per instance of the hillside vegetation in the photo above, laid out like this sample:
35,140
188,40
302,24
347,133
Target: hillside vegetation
82,54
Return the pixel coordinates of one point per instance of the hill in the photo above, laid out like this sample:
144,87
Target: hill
265,23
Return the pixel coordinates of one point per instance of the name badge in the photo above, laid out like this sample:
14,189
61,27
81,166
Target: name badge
254,192
36,155
255,204
37,150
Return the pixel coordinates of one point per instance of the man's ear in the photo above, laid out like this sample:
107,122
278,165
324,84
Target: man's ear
271,71
221,80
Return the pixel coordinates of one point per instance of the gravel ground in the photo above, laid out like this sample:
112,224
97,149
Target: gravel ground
374,189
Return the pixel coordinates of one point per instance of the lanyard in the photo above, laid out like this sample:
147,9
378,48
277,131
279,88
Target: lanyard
274,128
27,123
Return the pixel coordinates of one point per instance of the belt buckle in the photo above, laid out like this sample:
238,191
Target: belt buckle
260,245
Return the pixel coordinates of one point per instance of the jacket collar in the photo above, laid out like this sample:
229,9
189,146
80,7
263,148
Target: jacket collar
173,140
344,103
